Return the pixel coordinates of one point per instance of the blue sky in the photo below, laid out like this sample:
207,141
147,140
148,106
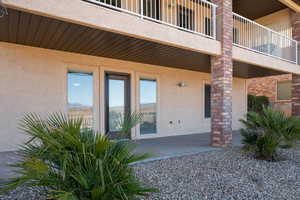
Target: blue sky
80,90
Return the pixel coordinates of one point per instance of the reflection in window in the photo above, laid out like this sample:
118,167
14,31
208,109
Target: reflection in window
80,96
207,99
148,104
116,103
284,90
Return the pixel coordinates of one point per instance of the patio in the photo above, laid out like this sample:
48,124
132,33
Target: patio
175,146
160,148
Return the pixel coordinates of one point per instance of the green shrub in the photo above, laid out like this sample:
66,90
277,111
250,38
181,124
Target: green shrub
265,132
127,122
256,103
75,163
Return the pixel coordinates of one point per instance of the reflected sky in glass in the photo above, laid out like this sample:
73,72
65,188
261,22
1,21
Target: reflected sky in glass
116,93
80,89
147,91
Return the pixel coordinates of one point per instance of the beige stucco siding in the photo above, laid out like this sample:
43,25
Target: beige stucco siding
34,80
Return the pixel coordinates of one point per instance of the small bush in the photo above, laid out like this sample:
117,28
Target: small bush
75,163
265,132
256,103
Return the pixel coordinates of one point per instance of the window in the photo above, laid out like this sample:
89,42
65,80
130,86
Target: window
208,28
151,8
148,105
207,99
80,96
284,90
117,101
185,18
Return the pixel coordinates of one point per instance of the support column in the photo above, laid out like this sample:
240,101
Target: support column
296,78
221,78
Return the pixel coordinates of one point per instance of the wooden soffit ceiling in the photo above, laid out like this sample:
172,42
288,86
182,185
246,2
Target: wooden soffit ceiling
33,30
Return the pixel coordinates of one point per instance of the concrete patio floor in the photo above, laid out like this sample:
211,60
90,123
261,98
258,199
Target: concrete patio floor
166,147
160,148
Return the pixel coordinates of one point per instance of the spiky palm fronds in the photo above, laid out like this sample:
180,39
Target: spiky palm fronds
267,131
129,121
74,162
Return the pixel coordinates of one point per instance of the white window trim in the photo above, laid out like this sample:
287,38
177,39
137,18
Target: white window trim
149,76
95,72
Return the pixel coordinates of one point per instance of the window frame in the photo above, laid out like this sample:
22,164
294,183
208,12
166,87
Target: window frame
148,76
95,124
276,97
205,82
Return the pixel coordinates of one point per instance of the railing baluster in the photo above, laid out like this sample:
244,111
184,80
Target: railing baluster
195,16
259,38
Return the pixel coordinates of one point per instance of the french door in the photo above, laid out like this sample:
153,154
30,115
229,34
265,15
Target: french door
117,100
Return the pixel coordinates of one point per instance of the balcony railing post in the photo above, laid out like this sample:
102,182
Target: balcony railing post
269,42
142,8
214,23
297,43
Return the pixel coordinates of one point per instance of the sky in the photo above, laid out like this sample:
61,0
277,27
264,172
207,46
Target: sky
80,90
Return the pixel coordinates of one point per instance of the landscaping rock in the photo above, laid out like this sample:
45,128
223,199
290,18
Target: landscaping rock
224,175
228,174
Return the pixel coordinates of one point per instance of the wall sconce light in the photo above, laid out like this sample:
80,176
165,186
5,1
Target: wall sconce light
182,84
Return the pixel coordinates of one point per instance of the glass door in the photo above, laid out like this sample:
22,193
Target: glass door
117,102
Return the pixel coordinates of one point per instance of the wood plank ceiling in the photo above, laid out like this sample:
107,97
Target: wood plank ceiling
28,29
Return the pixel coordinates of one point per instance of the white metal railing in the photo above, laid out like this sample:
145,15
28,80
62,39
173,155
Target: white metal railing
253,36
196,16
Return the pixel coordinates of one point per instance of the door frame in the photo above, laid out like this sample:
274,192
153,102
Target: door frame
127,93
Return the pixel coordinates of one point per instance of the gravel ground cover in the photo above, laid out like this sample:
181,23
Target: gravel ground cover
224,175
229,174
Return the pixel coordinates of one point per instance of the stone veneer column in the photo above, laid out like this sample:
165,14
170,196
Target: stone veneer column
221,78
296,78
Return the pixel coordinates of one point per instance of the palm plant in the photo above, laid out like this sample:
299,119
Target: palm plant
267,131
129,121
74,162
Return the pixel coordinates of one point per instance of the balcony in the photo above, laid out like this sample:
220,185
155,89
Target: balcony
199,17
255,37
195,16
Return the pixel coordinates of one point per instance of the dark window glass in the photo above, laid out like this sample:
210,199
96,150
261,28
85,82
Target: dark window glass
116,3
185,18
151,8
207,106
208,28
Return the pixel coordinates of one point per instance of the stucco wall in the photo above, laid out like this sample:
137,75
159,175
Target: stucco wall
34,80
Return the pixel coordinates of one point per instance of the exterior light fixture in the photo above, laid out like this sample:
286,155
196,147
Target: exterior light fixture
182,84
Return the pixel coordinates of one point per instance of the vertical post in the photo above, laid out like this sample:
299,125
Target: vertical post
269,41
214,22
296,77
142,8
221,78
296,56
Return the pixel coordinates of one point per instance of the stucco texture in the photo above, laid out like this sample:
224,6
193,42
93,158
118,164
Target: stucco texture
34,80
